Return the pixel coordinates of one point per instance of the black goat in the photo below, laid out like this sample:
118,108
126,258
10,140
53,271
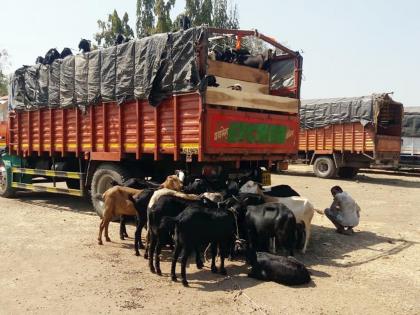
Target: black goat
197,226
281,191
158,233
40,60
141,202
65,53
284,270
84,45
51,56
183,22
267,221
239,204
120,39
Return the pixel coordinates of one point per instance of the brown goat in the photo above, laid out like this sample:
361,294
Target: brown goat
117,203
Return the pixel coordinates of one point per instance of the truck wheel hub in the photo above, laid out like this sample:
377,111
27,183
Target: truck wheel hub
323,167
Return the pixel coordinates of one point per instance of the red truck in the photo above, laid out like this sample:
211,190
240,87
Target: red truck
191,127
339,136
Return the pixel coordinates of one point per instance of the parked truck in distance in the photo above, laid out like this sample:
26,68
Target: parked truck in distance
147,108
410,147
341,135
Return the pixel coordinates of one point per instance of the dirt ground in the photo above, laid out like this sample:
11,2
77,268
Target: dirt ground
51,263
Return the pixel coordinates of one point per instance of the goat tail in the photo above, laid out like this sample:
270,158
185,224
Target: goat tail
319,211
98,197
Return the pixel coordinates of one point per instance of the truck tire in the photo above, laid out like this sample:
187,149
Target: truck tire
101,182
347,172
6,190
324,167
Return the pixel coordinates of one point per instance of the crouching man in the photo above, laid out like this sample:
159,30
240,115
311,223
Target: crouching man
344,212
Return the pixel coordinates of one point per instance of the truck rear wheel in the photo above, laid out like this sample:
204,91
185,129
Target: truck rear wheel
6,190
347,172
101,182
324,167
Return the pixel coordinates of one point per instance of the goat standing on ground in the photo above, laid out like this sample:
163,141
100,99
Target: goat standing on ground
197,226
117,203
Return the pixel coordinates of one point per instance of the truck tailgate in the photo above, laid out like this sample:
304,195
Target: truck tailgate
248,133
388,143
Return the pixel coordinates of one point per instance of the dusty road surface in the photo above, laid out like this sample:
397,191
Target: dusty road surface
51,263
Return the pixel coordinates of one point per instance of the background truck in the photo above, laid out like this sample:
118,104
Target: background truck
146,108
410,147
339,136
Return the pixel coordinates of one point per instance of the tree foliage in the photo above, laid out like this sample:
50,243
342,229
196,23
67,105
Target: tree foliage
217,13
199,11
162,12
108,30
145,17
153,16
4,57
225,15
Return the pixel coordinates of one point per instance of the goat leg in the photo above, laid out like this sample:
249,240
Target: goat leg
106,225
213,257
101,228
152,247
123,231
222,260
175,256
198,260
142,225
137,240
146,251
187,252
157,256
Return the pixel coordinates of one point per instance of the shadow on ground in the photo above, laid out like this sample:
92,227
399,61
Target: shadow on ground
329,248
409,181
56,201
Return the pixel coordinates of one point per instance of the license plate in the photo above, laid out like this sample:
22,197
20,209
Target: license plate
266,178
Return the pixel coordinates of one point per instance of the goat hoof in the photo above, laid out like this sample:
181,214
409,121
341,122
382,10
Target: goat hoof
185,283
152,270
125,235
108,239
146,256
158,272
141,246
200,266
214,269
137,254
100,243
122,238
223,272
174,278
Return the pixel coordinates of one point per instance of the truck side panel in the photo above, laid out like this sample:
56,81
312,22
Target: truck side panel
179,125
134,127
352,137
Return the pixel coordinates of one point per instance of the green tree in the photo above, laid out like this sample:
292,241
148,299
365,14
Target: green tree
109,30
145,17
4,57
225,16
162,12
199,11
3,83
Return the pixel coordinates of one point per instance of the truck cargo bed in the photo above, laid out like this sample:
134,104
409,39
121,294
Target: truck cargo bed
180,125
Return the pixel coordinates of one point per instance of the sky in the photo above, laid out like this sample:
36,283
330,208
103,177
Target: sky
349,48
